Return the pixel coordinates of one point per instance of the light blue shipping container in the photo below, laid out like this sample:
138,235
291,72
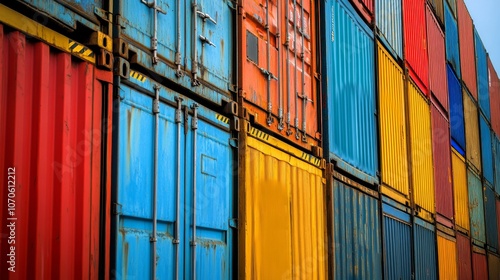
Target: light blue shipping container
349,87
483,89
457,124
491,219
486,150
357,235
195,43
193,160
496,161
452,44
476,207
397,243
389,21
424,237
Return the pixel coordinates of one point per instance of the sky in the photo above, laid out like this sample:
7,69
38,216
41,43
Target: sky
486,17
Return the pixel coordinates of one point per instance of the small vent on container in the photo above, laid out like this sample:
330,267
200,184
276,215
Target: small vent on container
252,47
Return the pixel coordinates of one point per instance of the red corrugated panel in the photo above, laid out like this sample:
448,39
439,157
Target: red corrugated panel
467,54
416,42
51,107
479,266
442,166
365,8
494,83
464,257
437,59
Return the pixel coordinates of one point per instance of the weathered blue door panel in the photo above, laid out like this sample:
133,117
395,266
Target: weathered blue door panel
486,150
456,111
424,236
452,45
483,89
134,188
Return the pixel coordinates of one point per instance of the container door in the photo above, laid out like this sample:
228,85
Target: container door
424,237
209,253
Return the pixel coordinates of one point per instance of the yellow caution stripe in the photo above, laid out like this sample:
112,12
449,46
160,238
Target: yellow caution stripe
310,158
42,33
222,118
259,134
138,76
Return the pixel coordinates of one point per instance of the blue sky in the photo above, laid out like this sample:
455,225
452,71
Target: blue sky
486,17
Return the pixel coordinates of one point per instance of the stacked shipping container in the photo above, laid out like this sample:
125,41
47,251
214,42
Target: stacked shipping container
201,154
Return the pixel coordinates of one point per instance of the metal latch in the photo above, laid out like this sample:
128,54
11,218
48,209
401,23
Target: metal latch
205,40
103,14
206,16
233,223
117,209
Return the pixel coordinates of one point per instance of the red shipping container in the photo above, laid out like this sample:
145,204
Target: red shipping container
437,59
416,42
494,83
467,53
365,8
277,74
442,166
53,111
464,257
479,264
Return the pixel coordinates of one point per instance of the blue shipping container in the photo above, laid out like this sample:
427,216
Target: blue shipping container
349,80
195,44
397,243
496,161
456,111
90,13
424,236
193,160
483,89
491,219
451,34
476,207
356,228
389,22
486,150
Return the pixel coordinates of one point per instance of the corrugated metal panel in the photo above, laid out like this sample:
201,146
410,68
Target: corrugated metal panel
356,228
476,207
394,169
464,257
442,163
494,83
277,66
438,8
486,150
456,111
397,243
389,22
467,55
437,59
421,149
452,44
365,8
447,257
498,217
483,97
491,219
350,86
479,266
179,160
53,151
473,152
496,161
294,189
453,6
493,267
193,52
460,193
425,250
415,35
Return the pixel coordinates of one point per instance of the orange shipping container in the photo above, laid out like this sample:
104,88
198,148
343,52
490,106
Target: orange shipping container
467,52
473,150
277,72
494,83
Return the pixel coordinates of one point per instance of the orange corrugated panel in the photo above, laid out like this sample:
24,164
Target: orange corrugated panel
467,53
473,144
53,110
277,73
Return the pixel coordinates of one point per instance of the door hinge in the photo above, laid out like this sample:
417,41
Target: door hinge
121,21
117,209
233,223
233,142
103,14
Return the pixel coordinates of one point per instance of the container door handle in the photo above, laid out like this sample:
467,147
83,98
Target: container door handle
205,40
205,16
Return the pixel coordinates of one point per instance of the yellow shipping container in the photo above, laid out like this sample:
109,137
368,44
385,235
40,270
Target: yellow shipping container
282,212
460,193
473,148
421,152
447,257
394,169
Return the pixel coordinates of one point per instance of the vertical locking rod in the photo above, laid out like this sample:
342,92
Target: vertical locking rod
153,239
194,127
178,119
154,39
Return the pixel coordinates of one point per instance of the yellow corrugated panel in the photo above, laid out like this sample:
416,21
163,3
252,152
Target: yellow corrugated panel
284,216
447,257
421,149
461,195
394,169
473,149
